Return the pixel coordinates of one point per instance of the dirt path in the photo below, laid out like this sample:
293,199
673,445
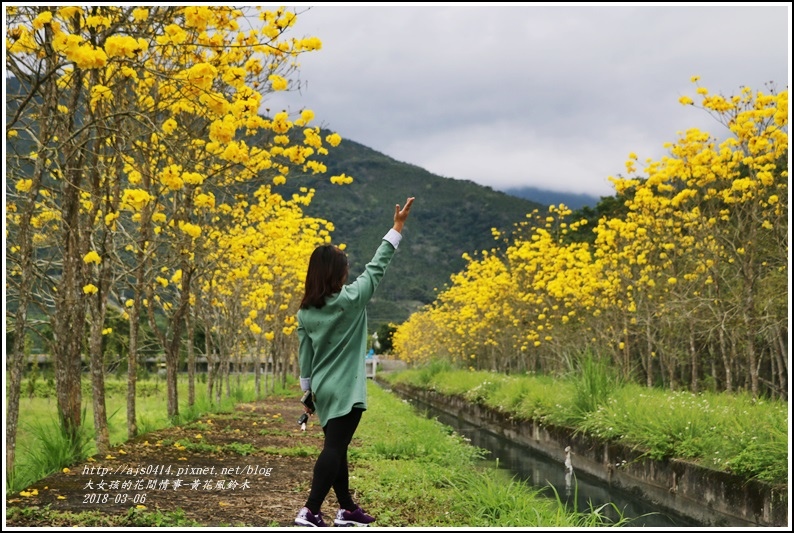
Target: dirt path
249,468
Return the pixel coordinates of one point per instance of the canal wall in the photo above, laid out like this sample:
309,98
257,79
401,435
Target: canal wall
711,497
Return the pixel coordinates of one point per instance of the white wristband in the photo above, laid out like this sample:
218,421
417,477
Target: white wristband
394,237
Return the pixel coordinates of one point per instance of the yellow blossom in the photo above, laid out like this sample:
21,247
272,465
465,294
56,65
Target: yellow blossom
122,46
92,257
191,229
277,82
169,126
45,17
140,13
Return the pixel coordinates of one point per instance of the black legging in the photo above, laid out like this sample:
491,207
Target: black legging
330,470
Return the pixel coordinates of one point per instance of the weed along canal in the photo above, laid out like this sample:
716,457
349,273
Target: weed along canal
575,488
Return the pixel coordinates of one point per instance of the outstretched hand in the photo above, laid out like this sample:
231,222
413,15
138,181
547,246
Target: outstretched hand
401,214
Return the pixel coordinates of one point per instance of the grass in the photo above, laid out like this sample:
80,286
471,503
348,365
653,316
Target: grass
405,469
47,448
134,517
42,448
417,472
729,432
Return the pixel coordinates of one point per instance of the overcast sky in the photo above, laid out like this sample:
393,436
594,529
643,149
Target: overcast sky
517,94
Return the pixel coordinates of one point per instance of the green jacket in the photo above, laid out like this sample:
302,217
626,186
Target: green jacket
333,342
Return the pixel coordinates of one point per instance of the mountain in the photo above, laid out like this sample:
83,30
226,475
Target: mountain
449,217
546,197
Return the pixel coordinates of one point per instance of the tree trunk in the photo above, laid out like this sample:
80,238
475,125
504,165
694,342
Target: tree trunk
97,308
239,367
649,349
626,360
782,367
191,360
693,356
101,434
208,350
16,365
257,368
24,239
70,310
227,370
726,361
171,368
132,365
173,344
752,362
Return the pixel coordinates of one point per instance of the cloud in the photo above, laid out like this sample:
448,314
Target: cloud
550,96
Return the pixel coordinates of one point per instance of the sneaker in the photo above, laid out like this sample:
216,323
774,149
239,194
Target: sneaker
353,518
306,518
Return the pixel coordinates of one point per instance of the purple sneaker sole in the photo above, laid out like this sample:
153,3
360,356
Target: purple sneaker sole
357,518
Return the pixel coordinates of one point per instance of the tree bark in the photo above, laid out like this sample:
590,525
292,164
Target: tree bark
132,364
257,368
782,367
97,306
693,356
191,359
208,350
70,309
17,363
726,361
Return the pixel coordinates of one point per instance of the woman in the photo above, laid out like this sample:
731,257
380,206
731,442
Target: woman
332,330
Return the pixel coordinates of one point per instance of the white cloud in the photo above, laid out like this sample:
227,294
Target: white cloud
554,95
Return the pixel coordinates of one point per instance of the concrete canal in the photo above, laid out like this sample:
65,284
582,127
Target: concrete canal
650,493
577,489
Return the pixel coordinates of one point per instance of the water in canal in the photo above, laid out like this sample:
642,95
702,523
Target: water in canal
577,488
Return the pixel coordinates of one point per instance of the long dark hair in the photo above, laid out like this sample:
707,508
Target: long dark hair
326,275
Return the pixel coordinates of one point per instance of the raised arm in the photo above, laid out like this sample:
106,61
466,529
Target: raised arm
401,215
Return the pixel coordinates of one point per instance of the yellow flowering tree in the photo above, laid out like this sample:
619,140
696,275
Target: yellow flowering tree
254,288
131,121
684,284
726,245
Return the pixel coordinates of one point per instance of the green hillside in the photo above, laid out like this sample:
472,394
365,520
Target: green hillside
449,217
